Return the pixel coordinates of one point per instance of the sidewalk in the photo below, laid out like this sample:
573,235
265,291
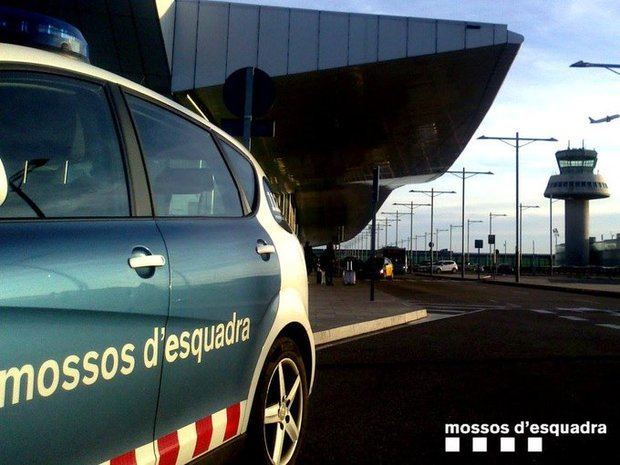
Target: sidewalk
556,283
339,311
564,283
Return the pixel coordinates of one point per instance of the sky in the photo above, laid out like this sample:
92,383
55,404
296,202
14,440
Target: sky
541,97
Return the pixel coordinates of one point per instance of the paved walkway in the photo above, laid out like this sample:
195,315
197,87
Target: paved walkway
340,305
562,283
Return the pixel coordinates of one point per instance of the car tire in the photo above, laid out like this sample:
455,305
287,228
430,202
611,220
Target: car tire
277,421
454,270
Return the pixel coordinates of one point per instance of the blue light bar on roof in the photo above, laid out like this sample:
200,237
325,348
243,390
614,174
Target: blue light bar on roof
22,27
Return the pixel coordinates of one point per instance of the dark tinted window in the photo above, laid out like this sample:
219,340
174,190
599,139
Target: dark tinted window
187,173
273,206
244,170
60,149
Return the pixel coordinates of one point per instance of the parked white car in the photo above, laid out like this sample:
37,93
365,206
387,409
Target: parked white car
446,266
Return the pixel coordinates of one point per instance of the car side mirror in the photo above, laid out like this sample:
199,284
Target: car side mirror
4,183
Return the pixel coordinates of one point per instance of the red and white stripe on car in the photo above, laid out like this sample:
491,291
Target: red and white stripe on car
191,441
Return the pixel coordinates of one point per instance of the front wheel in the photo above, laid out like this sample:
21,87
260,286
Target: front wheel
279,411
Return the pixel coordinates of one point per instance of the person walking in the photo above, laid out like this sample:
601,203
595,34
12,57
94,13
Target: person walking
328,262
310,259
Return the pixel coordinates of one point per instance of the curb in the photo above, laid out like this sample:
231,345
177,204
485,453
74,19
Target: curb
357,329
574,290
546,287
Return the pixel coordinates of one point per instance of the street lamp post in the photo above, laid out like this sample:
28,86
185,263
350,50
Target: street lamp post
517,139
469,222
388,222
521,208
491,216
452,226
607,66
437,231
415,258
412,206
432,194
378,228
464,175
551,259
397,221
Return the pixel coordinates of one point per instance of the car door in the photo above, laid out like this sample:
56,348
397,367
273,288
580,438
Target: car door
221,288
78,383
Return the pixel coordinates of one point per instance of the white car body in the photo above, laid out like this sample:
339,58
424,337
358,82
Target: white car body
292,301
446,266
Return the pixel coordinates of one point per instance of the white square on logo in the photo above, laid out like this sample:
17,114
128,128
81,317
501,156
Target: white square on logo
479,444
453,445
534,444
507,444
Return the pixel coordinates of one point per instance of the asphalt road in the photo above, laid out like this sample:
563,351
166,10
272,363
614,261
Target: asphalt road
495,355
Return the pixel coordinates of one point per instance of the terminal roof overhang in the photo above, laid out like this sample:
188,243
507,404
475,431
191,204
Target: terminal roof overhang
352,91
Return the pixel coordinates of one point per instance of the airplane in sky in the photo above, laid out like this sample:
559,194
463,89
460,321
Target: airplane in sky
607,119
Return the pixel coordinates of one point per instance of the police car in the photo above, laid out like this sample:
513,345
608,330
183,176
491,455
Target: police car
153,301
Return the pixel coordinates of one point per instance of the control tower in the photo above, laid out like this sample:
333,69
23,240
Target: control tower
577,185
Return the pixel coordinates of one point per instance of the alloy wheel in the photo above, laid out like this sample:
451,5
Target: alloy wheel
284,406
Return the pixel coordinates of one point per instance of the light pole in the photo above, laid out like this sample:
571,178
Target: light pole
469,222
551,260
397,220
378,228
412,206
432,194
463,235
521,208
518,140
437,231
415,259
491,216
388,222
464,175
607,66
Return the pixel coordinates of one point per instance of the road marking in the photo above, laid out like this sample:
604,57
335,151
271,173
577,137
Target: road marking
365,327
421,321
451,305
454,310
542,311
573,318
586,309
450,312
609,326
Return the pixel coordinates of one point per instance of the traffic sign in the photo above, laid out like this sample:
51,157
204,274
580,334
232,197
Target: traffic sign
479,243
263,92
491,239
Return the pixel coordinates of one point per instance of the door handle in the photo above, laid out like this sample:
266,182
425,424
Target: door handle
147,261
265,249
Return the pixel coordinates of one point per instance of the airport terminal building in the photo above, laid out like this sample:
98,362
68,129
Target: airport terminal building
352,91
